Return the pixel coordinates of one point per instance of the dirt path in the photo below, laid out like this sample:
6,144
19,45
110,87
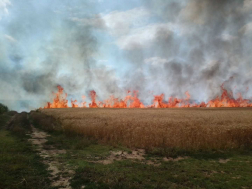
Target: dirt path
60,178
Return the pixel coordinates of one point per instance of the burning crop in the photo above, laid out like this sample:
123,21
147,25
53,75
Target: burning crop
226,99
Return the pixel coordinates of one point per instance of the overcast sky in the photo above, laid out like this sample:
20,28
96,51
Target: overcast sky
109,46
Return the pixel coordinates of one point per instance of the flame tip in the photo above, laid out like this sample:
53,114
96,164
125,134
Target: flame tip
132,101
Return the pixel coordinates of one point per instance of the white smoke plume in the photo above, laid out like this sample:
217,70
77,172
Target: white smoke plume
157,47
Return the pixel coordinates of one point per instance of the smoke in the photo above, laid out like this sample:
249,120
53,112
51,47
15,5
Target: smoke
42,47
155,47
204,43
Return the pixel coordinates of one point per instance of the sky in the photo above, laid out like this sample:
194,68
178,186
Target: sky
109,46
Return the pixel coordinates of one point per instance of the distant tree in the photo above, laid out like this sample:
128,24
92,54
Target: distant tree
3,108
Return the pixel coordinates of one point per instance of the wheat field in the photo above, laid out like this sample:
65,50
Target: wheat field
184,128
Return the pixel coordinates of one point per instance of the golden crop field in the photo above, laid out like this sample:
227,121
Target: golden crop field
184,128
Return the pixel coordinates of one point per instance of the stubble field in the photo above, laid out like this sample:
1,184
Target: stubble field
179,128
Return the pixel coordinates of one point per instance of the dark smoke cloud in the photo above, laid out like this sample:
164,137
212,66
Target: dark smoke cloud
211,47
194,45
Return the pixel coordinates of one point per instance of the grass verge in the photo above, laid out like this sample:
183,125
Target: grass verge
198,169
189,173
20,166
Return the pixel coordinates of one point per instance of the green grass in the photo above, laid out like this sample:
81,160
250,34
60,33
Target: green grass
3,120
201,169
187,173
20,166
80,150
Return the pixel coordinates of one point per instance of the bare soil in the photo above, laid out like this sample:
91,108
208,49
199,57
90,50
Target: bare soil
59,178
135,155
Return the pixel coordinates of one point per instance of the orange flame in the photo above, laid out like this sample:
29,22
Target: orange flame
132,101
74,104
59,101
93,104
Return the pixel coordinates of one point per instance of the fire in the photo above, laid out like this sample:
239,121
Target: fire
93,104
59,101
132,101
227,100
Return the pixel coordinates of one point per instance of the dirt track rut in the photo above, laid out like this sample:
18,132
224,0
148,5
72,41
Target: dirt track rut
49,154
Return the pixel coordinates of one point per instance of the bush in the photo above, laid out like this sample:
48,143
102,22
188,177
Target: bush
3,108
19,124
11,113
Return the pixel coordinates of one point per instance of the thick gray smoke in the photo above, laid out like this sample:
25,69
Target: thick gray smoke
159,47
202,44
42,47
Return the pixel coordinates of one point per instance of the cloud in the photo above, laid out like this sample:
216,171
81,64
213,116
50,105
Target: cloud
95,21
247,29
202,12
143,37
4,7
247,6
228,37
121,22
156,61
10,38
194,12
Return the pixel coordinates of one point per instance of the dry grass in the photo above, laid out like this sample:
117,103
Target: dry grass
45,122
194,128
